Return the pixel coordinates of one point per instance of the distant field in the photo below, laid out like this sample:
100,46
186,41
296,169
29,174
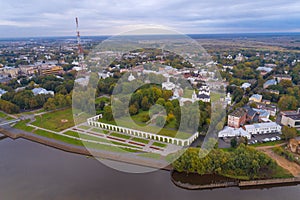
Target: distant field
56,120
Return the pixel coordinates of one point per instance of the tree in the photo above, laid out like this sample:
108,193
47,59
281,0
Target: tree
160,121
161,101
145,103
167,94
50,104
233,142
169,107
288,103
288,133
8,107
237,94
108,113
100,105
133,110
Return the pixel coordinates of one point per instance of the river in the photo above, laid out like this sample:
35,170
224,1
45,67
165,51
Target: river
33,171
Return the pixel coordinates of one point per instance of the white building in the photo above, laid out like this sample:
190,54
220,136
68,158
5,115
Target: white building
168,85
2,92
291,118
256,98
104,75
232,132
131,77
37,91
245,85
228,99
263,128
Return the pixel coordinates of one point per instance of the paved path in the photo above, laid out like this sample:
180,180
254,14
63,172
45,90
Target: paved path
292,167
9,122
145,147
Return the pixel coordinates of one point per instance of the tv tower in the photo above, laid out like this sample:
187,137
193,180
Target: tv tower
80,50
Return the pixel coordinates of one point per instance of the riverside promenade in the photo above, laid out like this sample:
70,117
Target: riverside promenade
122,157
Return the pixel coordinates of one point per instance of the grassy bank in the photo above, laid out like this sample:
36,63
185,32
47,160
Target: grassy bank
79,143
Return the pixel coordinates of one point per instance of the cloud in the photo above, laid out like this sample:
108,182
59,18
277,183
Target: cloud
96,17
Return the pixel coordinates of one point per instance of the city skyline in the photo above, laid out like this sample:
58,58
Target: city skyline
56,18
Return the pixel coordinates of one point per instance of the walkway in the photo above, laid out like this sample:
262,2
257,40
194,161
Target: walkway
145,147
292,167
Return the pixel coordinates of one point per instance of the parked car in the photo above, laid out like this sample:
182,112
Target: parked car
278,138
273,139
266,140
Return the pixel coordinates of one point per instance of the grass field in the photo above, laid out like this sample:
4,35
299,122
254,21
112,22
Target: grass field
187,93
84,127
144,141
124,122
215,96
89,137
159,144
2,115
150,155
126,137
22,125
267,143
5,116
56,120
100,131
79,143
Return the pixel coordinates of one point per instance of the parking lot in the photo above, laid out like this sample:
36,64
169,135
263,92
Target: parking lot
260,138
225,142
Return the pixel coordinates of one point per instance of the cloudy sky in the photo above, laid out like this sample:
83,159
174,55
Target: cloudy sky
22,18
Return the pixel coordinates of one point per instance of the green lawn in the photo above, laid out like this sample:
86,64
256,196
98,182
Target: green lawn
93,138
84,136
150,155
86,144
215,96
120,136
5,116
124,122
279,172
55,120
267,143
84,127
187,93
100,131
2,115
22,125
58,137
159,144
144,141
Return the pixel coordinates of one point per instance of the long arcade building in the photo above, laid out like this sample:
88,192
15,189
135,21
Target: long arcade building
93,121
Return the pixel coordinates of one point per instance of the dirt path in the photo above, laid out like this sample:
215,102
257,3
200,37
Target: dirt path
292,167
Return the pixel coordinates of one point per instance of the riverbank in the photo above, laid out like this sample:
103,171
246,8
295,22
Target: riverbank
147,162
212,181
122,157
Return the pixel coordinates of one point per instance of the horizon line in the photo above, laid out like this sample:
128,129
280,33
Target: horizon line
188,34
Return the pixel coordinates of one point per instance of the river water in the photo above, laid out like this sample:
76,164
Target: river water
33,171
